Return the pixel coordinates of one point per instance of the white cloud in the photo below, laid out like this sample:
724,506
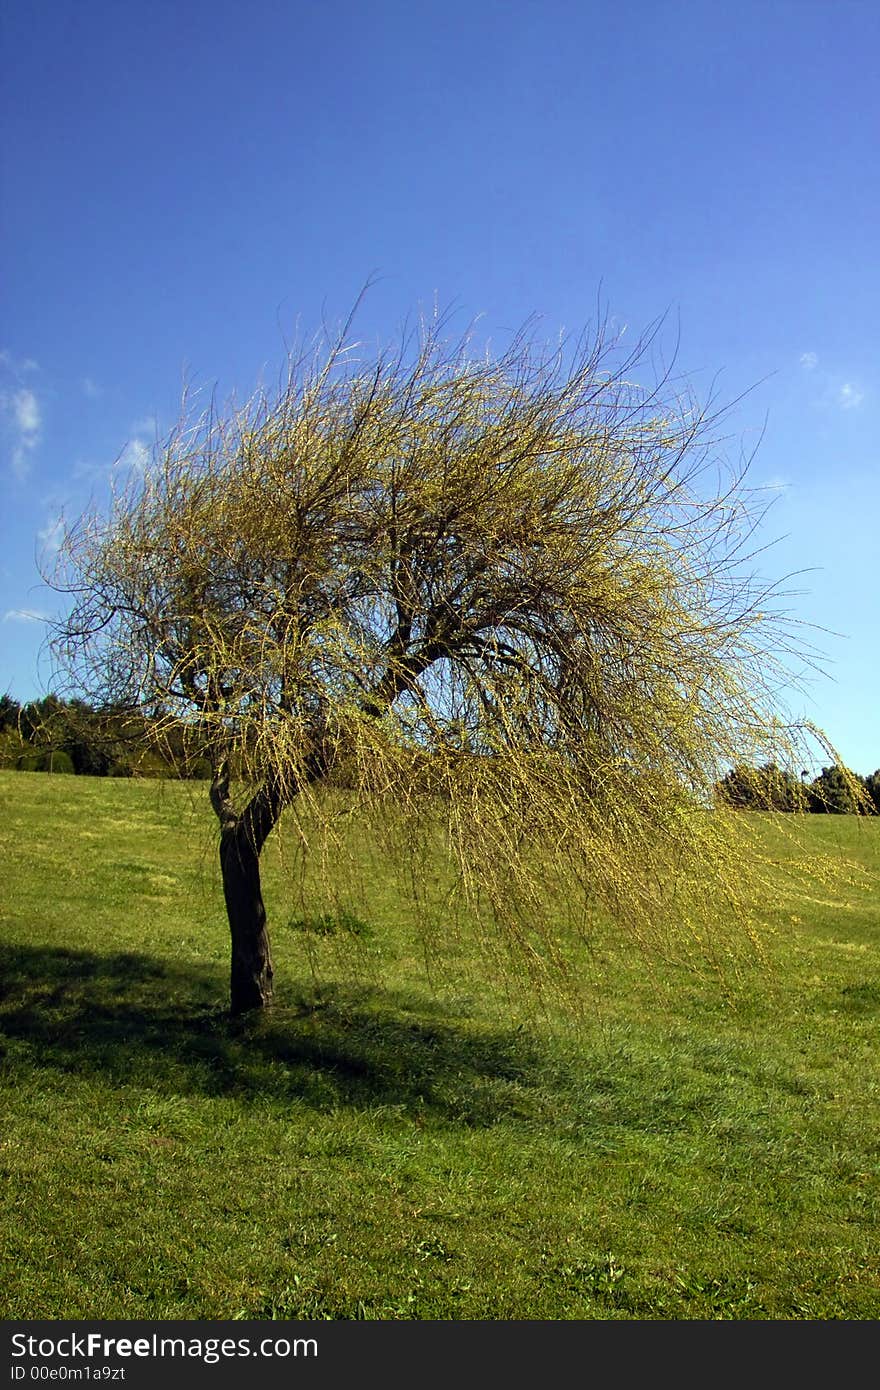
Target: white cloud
775,485
24,615
21,410
92,472
835,392
145,425
51,535
849,396
91,388
27,364
21,464
26,408
135,456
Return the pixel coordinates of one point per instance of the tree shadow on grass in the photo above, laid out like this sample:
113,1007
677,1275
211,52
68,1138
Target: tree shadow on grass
136,1021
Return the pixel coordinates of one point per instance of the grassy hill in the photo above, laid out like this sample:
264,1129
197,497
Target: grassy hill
385,1147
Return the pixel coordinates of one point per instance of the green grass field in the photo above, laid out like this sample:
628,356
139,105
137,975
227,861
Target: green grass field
408,1149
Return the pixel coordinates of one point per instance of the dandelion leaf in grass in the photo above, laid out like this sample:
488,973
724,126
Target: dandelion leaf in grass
500,609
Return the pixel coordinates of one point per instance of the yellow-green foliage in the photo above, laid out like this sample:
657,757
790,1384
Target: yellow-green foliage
505,602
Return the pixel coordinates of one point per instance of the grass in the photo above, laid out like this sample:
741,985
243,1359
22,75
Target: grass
379,1148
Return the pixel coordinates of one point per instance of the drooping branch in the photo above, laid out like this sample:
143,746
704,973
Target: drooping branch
520,589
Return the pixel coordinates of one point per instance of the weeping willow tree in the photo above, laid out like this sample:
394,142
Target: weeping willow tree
509,597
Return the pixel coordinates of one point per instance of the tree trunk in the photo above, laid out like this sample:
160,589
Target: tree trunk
251,972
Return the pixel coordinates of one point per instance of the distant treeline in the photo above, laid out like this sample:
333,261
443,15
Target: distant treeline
55,735
836,791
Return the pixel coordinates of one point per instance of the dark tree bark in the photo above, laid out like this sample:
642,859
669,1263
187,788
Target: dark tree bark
241,840
251,966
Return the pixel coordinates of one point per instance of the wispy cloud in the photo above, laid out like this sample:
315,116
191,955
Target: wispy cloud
23,417
91,472
850,396
135,456
24,615
145,425
27,412
91,389
833,390
775,484
51,535
19,367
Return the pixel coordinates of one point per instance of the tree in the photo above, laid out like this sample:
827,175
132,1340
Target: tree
838,792
767,788
9,712
509,596
12,745
872,789
40,720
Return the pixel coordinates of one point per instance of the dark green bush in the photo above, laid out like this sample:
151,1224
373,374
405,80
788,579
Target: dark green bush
332,924
46,760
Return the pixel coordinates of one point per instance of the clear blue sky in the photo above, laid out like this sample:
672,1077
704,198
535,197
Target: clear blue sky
182,181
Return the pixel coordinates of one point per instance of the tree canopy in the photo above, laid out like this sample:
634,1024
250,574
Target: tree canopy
510,598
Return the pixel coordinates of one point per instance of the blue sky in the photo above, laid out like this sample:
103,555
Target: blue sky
184,182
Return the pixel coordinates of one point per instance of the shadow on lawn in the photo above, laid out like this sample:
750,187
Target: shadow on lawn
139,1021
